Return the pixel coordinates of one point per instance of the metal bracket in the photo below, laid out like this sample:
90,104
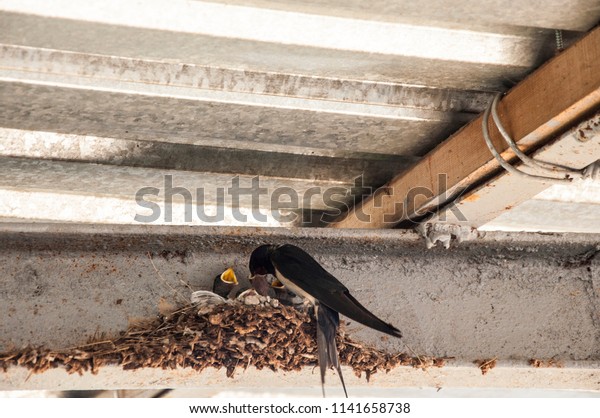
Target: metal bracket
444,233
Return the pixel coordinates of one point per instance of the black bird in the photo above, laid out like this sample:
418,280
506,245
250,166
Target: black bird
222,291
224,283
303,275
262,286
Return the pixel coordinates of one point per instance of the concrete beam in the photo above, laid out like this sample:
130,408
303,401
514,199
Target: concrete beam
580,376
507,296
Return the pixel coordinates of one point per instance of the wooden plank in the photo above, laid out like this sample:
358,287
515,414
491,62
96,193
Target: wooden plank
579,147
546,103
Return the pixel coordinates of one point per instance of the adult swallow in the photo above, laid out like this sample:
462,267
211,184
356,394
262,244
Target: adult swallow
304,276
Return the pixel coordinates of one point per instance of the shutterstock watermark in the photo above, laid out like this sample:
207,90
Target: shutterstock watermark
250,200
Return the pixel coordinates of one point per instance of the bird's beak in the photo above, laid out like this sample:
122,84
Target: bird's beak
228,276
277,284
257,276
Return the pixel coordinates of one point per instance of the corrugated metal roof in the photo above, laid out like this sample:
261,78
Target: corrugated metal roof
102,99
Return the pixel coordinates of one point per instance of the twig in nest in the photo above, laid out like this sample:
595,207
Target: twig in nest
183,298
231,336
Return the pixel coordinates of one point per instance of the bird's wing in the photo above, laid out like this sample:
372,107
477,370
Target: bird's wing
328,321
206,301
299,267
206,297
305,272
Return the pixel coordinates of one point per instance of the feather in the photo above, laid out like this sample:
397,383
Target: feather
328,322
306,273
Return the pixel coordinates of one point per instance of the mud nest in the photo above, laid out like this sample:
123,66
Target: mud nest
231,336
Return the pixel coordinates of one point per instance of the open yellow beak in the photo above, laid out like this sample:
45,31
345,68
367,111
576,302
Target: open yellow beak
277,284
228,276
